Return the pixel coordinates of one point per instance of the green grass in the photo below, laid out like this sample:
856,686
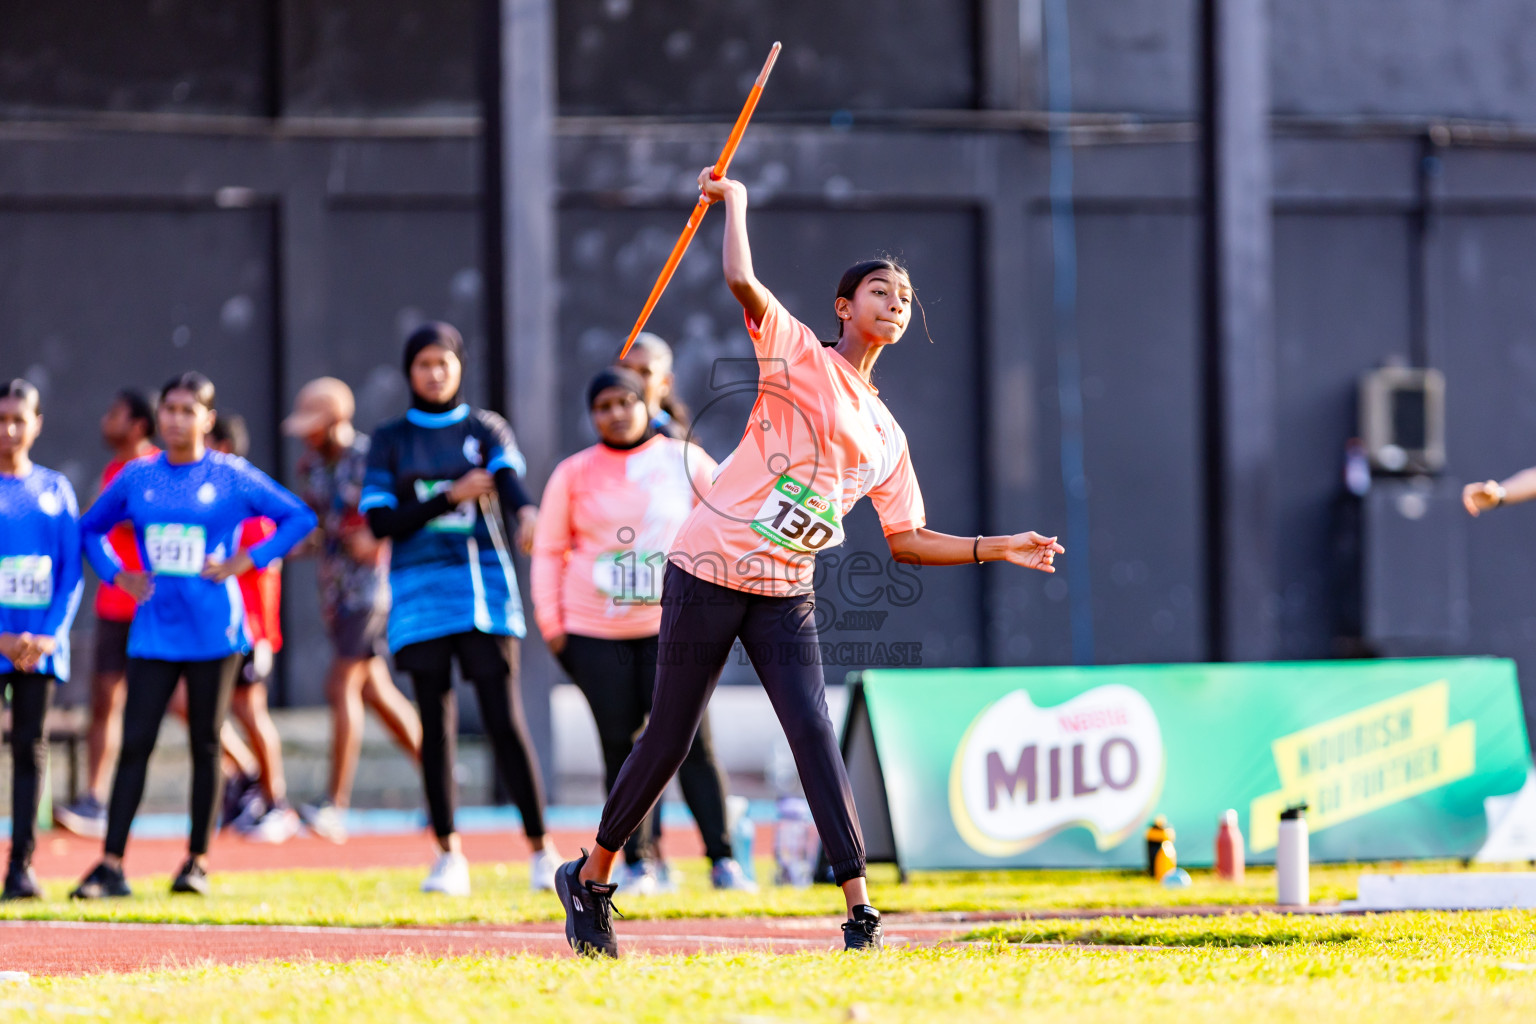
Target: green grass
501,896
1397,969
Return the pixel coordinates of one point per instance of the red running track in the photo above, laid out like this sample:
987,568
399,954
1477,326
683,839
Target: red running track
79,947
61,855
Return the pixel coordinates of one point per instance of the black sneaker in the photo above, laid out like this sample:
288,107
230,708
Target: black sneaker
102,883
588,910
191,879
863,930
21,884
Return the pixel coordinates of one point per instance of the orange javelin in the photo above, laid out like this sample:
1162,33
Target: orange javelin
699,208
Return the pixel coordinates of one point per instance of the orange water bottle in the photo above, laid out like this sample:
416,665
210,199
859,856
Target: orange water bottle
1161,858
1229,849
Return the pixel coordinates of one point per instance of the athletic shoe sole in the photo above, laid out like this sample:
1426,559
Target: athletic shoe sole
79,824
563,891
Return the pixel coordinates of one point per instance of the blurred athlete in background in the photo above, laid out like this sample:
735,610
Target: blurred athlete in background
126,429
39,595
354,593
606,524
186,506
444,485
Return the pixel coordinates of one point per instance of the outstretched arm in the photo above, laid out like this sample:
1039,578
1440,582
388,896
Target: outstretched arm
1480,497
927,547
737,253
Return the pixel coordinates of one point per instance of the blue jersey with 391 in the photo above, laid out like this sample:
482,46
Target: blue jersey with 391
450,576
183,515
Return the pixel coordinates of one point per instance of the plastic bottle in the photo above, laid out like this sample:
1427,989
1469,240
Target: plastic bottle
795,843
1291,858
1230,864
1161,857
742,832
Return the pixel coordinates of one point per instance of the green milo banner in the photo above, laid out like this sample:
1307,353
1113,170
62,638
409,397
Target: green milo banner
1064,767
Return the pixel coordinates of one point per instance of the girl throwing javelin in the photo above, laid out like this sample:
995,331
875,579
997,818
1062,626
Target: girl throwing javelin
818,439
186,505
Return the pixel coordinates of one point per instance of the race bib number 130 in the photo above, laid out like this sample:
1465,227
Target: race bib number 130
26,581
797,518
176,549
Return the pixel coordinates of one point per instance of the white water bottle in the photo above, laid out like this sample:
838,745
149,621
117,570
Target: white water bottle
795,843
1291,858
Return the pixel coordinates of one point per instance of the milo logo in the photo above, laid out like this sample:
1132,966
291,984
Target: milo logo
817,503
789,486
1024,773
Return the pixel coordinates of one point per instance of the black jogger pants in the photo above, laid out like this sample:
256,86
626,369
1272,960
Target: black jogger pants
699,621
150,685
29,696
618,678
490,664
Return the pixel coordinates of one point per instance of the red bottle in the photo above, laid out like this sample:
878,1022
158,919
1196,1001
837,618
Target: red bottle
1229,849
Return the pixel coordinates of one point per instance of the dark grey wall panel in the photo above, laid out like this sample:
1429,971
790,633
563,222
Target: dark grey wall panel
1341,308
1138,332
181,56
96,300
700,56
388,270
608,261
379,57
1485,341
1408,57
1139,56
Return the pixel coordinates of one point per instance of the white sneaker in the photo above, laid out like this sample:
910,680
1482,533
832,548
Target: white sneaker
642,879
450,876
325,820
541,871
278,825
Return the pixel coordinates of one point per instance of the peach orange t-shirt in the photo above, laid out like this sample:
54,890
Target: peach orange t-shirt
819,439
605,527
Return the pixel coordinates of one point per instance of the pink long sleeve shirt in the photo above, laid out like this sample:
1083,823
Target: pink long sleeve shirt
605,528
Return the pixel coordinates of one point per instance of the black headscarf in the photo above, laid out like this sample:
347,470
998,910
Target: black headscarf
446,336
629,380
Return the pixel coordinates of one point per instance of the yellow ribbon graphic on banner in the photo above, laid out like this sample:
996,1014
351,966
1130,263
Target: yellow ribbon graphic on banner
1366,760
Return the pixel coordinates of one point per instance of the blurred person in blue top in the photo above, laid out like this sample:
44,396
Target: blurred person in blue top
186,506
443,483
39,594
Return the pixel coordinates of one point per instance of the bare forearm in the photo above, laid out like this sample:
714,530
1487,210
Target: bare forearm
929,547
1520,487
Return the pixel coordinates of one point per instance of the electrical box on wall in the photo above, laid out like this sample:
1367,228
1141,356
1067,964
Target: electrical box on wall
1402,419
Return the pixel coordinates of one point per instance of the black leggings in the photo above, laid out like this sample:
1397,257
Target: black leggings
699,621
150,685
489,663
618,678
30,694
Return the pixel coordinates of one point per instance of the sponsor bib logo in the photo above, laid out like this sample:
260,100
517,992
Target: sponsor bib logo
460,519
1023,773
